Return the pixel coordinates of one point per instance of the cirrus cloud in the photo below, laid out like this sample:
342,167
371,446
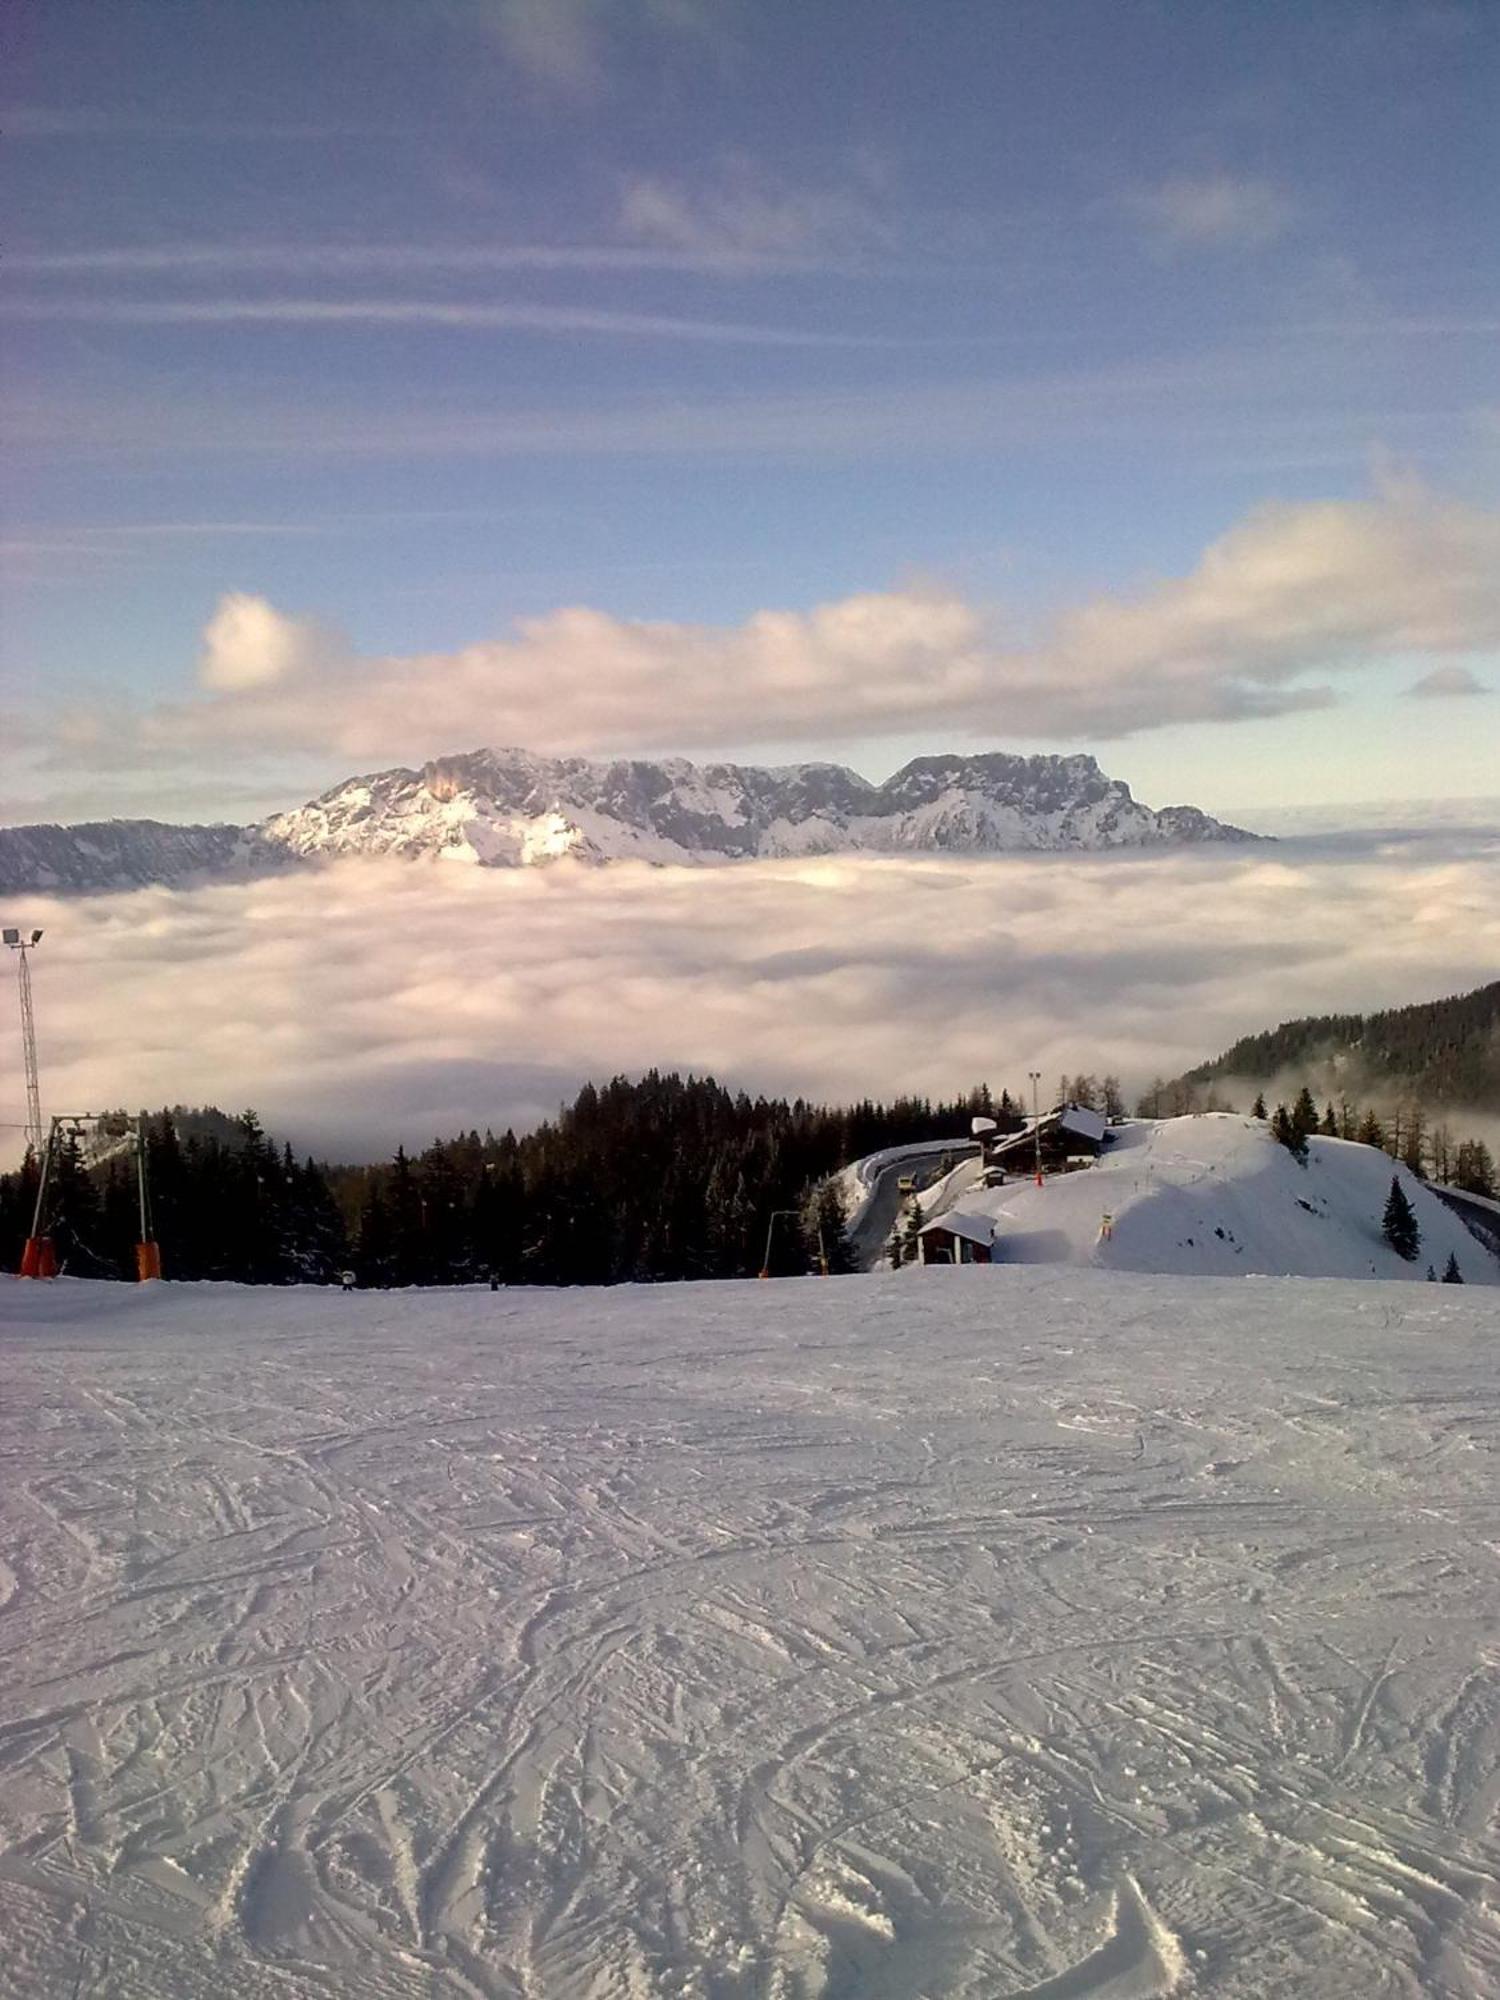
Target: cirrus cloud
1212,211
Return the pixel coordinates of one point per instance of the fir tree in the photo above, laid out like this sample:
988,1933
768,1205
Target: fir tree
1399,1224
1370,1132
1286,1131
1305,1112
1258,1108
1474,1169
1451,1273
1330,1125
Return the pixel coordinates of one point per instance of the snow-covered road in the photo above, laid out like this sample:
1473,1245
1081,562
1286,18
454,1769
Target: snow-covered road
1029,1632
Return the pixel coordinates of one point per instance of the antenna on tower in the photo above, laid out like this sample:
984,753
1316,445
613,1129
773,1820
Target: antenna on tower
21,942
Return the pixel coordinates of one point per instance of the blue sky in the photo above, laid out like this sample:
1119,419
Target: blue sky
763,380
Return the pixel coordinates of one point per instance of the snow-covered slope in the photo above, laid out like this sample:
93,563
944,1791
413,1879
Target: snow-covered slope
1216,1195
507,808
1019,1635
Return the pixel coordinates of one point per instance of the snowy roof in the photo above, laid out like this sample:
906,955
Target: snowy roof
973,1228
1077,1119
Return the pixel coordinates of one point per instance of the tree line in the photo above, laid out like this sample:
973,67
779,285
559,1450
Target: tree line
1436,1052
667,1177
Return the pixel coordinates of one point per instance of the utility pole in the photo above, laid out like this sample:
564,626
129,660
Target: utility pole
21,942
1036,1120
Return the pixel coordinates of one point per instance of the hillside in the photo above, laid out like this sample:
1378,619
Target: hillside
1215,1195
1023,1633
1442,1052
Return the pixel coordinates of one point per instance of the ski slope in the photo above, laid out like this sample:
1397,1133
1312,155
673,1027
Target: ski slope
1034,1634
1215,1195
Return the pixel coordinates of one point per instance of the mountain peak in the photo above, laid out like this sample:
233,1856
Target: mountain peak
507,807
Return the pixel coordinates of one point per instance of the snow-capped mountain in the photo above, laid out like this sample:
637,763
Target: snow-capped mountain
506,808
509,809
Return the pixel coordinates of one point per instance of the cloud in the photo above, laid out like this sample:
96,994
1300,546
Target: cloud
565,47
455,316
655,250
745,214
249,644
1443,683
1213,211
375,1001
1294,590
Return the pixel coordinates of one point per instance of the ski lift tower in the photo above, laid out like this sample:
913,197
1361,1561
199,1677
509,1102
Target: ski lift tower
21,942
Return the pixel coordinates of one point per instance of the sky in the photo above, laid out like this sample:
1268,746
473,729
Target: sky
761,380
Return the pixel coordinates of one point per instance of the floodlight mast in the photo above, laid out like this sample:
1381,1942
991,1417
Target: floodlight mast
1035,1076
21,942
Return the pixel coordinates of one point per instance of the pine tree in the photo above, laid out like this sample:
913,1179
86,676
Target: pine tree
1414,1142
1330,1125
824,1223
1370,1132
1258,1108
1451,1273
1399,1225
911,1234
1286,1131
1474,1169
1305,1112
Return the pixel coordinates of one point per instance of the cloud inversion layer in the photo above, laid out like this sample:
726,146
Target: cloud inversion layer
371,1001
1292,591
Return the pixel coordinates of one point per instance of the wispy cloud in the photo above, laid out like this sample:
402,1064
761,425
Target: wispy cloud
744,212
401,259
1253,403
565,46
455,316
1448,683
1212,211
41,121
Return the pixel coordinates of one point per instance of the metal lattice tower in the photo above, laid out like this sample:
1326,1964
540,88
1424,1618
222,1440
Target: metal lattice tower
21,943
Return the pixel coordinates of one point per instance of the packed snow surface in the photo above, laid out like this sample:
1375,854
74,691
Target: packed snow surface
1033,1634
1214,1194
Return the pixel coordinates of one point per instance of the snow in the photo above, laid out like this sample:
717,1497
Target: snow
1048,1634
1216,1195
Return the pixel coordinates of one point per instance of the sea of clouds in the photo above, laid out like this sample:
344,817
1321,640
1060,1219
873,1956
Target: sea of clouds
371,1001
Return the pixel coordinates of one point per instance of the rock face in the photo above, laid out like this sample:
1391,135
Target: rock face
509,809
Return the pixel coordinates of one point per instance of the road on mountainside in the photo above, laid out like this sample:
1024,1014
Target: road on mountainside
870,1235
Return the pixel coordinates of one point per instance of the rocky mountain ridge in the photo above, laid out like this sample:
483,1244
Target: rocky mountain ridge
508,808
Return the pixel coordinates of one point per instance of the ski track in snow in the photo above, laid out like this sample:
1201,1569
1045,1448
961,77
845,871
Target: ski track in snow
1037,1635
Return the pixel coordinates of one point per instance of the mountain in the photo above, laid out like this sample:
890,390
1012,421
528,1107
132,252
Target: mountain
1439,1052
508,809
121,854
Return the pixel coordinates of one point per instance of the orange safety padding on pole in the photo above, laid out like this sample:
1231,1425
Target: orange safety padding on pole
39,1259
147,1261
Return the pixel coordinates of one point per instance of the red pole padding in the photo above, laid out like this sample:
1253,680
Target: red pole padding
39,1259
147,1261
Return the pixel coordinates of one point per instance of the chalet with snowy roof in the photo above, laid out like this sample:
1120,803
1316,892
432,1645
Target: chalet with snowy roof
1068,1136
956,1239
